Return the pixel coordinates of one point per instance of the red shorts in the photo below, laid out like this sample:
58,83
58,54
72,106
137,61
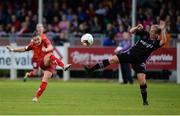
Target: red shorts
50,68
35,63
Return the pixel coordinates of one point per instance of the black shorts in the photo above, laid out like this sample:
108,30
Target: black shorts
137,65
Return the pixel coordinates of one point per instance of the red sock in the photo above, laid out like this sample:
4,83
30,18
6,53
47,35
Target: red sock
31,74
41,89
58,61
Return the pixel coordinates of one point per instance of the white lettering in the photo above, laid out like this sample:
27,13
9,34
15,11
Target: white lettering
22,60
87,58
162,57
146,44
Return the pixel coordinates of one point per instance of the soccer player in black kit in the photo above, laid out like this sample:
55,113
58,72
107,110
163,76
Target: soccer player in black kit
138,54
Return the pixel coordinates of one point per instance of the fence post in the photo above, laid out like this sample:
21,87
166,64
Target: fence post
120,80
178,63
66,75
13,70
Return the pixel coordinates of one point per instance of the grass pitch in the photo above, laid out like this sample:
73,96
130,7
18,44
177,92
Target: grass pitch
87,97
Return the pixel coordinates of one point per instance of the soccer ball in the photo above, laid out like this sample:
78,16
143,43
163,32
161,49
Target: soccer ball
87,39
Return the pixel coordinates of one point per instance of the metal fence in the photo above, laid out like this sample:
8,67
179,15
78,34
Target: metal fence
74,40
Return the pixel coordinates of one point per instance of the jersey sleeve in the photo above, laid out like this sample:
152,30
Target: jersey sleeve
142,33
29,46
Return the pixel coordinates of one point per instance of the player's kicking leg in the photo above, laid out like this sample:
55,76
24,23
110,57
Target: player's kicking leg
113,60
66,67
50,58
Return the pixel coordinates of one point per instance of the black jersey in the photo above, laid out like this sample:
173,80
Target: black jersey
144,47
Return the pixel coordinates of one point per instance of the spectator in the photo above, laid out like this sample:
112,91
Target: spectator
81,30
60,39
178,24
69,14
90,11
64,25
94,25
109,39
101,10
32,23
2,32
123,46
96,13
55,23
24,28
74,24
15,22
82,16
49,33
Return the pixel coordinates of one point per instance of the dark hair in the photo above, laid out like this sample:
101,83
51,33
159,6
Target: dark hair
111,34
35,33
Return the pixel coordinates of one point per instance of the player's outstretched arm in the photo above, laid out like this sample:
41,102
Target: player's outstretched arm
137,28
163,32
16,49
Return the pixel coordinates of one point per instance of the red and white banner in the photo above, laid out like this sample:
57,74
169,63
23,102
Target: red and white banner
89,56
163,58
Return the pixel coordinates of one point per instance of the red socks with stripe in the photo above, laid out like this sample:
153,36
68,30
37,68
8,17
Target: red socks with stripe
57,61
41,89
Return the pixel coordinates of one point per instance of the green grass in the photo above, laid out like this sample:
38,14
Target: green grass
88,97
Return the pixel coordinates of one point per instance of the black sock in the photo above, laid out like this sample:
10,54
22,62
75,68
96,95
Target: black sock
103,64
144,92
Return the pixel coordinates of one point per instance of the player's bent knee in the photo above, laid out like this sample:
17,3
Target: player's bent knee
47,76
47,59
141,78
114,60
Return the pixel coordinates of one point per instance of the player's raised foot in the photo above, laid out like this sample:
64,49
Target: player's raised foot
67,66
25,77
145,103
35,99
87,69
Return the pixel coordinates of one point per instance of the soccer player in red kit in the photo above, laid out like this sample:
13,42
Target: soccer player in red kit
34,72
46,59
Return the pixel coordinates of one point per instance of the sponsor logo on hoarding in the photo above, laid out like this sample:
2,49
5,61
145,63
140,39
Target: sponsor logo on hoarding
164,58
21,60
87,58
161,57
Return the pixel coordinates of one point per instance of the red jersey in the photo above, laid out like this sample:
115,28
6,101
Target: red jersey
37,49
